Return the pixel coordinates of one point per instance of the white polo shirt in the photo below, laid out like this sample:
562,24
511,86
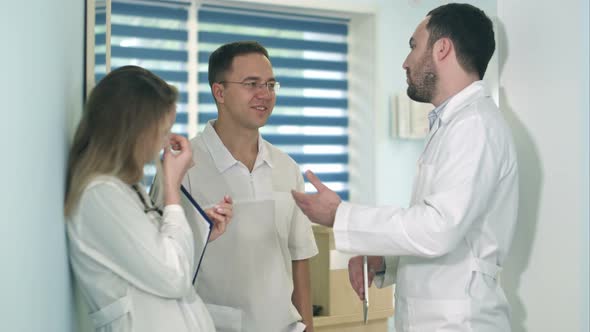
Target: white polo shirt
247,272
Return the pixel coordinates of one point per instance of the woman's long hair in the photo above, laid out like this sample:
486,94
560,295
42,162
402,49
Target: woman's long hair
118,130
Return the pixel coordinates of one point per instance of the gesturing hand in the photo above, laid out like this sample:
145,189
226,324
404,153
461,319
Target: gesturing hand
319,207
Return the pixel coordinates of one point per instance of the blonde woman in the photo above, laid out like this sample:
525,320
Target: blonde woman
133,263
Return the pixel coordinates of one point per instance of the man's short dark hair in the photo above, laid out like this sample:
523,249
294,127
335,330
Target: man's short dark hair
221,59
470,30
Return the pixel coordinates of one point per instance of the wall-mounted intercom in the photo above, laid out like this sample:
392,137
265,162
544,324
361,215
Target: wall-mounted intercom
409,119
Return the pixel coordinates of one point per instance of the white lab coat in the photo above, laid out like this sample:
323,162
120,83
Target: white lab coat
134,269
446,250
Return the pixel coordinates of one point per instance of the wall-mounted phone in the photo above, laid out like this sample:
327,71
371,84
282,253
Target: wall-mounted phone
409,118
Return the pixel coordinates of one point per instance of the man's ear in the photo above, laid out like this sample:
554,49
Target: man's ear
217,89
442,48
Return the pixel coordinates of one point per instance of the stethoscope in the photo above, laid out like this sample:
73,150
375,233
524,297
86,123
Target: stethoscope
154,208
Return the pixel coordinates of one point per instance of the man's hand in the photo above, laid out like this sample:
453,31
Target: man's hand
221,215
320,207
355,272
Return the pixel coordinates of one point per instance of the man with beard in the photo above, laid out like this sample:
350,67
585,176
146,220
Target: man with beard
445,250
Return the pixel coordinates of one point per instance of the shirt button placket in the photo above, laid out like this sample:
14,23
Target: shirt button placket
252,185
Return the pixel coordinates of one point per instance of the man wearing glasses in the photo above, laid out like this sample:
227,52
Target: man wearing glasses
255,277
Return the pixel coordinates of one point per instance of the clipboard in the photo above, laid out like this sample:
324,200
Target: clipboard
209,226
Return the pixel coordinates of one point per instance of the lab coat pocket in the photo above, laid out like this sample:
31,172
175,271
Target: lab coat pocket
116,316
423,182
481,286
225,319
439,315
284,205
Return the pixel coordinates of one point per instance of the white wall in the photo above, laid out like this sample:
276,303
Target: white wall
40,89
585,176
544,93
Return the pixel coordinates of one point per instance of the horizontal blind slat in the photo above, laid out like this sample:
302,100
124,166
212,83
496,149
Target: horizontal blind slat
296,82
332,177
273,42
271,22
100,19
148,32
289,101
344,195
290,120
306,158
100,39
166,75
149,11
294,63
148,53
282,139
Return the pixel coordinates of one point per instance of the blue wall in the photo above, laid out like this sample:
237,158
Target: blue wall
41,92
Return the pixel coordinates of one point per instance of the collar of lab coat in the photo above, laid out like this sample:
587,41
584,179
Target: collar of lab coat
456,103
462,99
222,158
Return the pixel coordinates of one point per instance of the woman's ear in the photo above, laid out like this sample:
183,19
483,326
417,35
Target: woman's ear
217,89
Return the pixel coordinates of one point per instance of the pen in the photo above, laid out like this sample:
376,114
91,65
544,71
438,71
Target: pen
366,286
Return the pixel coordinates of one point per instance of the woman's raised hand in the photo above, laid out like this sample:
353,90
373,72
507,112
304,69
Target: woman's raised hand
178,158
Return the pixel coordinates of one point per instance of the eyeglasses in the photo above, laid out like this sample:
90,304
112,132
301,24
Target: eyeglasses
272,87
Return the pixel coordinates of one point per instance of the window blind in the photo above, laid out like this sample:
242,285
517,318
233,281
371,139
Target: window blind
309,55
99,39
153,35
